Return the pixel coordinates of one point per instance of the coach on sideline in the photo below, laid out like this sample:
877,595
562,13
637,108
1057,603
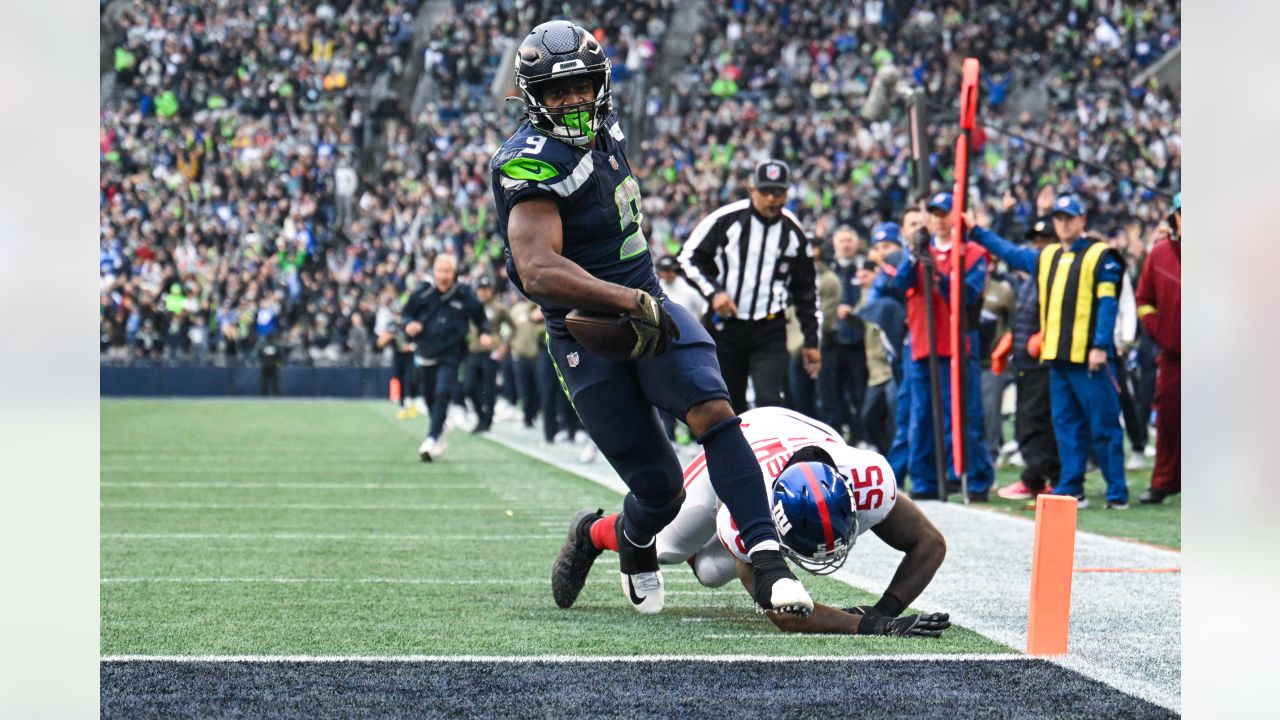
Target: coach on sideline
438,320
750,259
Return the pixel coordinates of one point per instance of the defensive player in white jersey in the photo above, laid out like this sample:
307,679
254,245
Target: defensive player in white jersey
824,494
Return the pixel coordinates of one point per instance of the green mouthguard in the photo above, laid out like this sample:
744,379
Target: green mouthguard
580,121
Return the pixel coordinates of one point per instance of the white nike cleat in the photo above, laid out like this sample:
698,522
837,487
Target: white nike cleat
641,578
775,588
790,597
644,591
439,448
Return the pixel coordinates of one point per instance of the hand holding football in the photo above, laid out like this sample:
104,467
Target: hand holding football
609,335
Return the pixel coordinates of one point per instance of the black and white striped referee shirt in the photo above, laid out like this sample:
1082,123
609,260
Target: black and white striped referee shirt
763,265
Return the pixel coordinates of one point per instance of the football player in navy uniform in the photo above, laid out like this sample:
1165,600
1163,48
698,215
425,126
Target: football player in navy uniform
569,210
825,495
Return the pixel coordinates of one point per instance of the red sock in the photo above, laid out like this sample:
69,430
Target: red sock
603,534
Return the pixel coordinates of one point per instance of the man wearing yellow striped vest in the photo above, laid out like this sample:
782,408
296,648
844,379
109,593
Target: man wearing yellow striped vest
1078,279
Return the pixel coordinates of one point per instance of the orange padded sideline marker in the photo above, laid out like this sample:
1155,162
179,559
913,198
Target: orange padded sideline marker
1051,559
395,390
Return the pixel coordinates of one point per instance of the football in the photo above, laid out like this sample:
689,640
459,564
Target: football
608,335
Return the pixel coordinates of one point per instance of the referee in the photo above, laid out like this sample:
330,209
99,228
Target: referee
751,259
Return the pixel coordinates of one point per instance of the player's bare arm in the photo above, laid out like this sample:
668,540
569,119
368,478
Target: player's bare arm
537,241
907,529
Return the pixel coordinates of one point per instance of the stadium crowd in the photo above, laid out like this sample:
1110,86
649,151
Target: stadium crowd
236,211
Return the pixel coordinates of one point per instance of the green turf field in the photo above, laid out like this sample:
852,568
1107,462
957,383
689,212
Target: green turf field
311,528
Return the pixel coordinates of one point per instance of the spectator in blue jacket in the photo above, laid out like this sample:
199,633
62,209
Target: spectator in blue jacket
887,247
438,321
939,251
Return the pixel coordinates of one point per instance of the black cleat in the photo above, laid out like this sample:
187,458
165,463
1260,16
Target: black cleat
576,556
776,587
642,582
1152,496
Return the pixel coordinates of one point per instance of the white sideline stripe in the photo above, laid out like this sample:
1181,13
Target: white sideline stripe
223,469
289,506
289,486
325,581
780,637
339,581
976,657
315,536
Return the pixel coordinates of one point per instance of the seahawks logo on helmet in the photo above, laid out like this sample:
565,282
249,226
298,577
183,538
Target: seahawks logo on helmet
556,51
814,511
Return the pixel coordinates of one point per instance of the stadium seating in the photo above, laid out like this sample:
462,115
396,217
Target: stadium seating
254,181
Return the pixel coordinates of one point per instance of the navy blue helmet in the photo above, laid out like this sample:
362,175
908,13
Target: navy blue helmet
555,51
814,511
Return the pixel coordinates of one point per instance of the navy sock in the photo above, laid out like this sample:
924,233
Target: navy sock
738,482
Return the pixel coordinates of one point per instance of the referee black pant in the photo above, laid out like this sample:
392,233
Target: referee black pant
755,349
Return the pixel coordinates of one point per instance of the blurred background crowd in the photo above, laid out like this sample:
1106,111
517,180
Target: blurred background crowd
277,177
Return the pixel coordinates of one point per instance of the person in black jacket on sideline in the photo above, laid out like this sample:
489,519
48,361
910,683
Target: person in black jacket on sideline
438,320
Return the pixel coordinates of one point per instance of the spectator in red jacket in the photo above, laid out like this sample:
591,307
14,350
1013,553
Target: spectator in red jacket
1160,309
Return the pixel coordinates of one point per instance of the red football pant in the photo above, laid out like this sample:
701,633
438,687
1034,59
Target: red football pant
1167,475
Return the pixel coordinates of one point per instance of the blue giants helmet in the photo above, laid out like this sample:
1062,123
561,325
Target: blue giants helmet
813,509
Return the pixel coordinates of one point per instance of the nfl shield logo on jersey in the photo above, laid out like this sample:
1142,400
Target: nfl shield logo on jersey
613,162
573,359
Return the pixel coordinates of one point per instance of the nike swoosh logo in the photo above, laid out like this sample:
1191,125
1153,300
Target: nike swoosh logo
631,590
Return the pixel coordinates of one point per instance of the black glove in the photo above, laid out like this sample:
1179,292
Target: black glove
920,244
655,328
930,625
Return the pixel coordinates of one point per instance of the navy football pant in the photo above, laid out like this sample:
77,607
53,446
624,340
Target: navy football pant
438,383
617,400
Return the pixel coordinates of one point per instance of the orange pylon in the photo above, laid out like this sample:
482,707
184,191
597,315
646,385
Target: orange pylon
1052,554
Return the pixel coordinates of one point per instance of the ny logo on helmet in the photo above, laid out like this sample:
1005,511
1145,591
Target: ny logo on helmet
780,517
